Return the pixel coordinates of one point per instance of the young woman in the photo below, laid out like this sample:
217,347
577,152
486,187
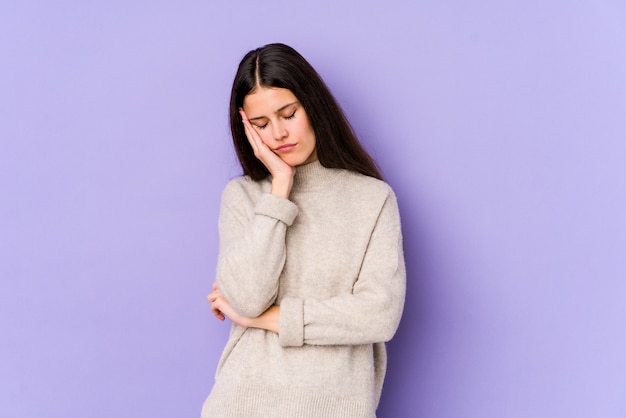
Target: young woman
310,269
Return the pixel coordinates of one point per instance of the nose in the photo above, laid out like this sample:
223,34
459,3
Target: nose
279,131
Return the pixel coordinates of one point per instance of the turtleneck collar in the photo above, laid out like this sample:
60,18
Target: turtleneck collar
311,175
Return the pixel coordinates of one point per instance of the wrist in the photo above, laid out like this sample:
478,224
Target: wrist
268,320
281,187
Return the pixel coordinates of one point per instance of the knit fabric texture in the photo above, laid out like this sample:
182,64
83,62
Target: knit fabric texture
331,257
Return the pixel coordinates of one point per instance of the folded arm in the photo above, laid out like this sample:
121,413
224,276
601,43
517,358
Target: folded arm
370,313
252,248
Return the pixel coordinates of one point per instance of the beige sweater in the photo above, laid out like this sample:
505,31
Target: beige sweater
331,257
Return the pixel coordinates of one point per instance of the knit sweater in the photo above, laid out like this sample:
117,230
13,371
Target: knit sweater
331,257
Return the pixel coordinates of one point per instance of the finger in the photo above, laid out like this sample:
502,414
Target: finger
215,306
214,287
251,133
218,314
213,296
245,120
244,116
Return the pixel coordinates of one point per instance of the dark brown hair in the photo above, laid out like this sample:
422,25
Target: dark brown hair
280,66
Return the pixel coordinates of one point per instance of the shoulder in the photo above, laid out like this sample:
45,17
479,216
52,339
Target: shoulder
368,187
244,184
366,195
243,188
371,202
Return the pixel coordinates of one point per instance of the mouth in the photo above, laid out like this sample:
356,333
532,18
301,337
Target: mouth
285,148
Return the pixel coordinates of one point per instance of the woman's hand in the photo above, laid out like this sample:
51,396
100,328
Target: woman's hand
220,307
282,173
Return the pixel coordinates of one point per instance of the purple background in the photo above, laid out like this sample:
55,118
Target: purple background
500,124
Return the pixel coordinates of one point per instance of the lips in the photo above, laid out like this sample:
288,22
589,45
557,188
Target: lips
285,148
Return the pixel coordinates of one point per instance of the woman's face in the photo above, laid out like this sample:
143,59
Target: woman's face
282,124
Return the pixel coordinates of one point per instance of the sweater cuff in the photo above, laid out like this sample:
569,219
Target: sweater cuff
276,207
291,322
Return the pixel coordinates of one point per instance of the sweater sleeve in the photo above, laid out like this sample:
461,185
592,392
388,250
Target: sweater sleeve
371,312
252,247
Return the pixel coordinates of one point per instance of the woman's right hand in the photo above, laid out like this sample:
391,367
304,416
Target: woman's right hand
282,173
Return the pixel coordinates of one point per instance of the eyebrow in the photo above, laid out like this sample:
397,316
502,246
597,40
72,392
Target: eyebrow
278,111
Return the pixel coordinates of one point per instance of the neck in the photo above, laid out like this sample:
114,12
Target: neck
311,175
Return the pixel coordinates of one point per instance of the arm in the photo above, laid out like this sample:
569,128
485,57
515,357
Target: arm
220,307
371,312
252,247
252,234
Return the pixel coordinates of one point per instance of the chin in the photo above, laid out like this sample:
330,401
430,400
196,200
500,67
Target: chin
294,162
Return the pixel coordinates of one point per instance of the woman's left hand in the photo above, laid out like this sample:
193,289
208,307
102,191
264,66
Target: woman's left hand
220,307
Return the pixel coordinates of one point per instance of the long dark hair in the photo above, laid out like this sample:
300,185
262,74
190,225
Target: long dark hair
280,66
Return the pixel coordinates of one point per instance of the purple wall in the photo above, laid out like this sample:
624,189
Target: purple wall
501,125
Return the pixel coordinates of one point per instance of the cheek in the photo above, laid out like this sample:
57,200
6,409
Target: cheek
266,137
264,134
305,129
310,133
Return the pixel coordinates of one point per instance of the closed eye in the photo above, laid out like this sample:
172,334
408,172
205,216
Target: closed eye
293,114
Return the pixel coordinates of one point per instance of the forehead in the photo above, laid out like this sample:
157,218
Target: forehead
264,101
